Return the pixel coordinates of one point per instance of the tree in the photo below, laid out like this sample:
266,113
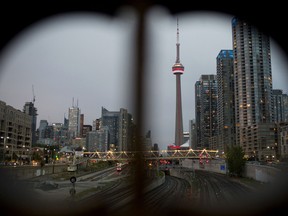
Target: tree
235,160
36,156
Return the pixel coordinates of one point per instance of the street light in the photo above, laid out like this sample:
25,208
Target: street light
22,155
4,146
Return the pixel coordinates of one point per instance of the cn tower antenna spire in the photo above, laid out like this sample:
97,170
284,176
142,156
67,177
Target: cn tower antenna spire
177,44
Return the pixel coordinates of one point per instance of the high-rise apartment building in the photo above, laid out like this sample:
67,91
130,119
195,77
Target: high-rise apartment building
198,133
285,107
110,119
59,133
125,130
279,109
42,130
206,112
226,107
253,88
54,134
97,140
147,141
15,134
120,127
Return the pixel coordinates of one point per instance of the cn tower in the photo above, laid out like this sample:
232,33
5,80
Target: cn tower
178,70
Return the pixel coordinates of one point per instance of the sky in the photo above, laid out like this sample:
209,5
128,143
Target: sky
88,58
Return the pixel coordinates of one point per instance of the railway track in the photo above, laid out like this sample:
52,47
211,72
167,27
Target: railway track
199,191
172,192
214,192
209,191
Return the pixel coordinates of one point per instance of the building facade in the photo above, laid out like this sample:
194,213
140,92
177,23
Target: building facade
283,141
74,122
226,101
15,134
193,134
198,132
96,124
54,134
206,112
42,130
31,110
120,127
279,106
285,107
110,119
98,140
253,86
125,130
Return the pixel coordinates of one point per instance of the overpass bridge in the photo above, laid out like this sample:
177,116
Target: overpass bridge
150,155
144,155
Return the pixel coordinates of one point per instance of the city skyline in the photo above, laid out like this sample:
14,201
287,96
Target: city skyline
61,61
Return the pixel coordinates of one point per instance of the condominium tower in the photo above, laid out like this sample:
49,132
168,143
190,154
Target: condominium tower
253,88
226,107
119,125
206,112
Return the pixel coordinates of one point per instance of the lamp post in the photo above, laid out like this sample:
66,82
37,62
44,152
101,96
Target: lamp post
4,146
23,154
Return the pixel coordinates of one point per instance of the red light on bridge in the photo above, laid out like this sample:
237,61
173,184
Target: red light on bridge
173,147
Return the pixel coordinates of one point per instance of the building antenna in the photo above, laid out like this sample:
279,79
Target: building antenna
33,100
177,44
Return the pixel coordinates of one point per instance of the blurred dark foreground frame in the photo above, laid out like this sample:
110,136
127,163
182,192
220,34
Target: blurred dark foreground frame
269,17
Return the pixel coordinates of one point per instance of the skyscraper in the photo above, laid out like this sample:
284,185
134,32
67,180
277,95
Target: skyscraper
253,87
42,128
226,107
74,122
97,140
81,124
278,100
206,112
119,125
31,110
178,70
125,130
110,119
